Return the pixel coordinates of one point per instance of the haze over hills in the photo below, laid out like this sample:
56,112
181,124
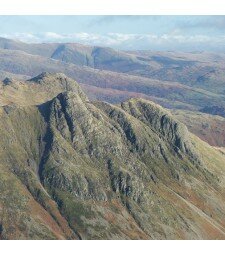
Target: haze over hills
76,169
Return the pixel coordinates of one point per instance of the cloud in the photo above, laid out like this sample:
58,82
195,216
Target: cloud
172,41
25,37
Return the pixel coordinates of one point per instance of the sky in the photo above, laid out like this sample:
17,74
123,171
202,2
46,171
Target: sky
170,33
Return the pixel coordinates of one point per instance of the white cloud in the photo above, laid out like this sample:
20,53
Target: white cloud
52,36
172,41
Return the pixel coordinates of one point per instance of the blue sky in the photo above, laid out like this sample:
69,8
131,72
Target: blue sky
184,33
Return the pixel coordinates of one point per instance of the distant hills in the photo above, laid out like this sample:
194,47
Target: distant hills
187,80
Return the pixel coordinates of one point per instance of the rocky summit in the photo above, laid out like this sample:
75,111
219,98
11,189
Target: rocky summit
71,168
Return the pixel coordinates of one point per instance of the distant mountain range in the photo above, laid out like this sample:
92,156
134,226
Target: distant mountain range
175,80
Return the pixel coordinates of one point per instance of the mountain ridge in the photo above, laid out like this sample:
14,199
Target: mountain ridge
102,171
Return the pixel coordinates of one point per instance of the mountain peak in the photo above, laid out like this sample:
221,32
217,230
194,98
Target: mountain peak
59,80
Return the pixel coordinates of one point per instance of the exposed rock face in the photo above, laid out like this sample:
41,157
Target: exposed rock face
91,170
